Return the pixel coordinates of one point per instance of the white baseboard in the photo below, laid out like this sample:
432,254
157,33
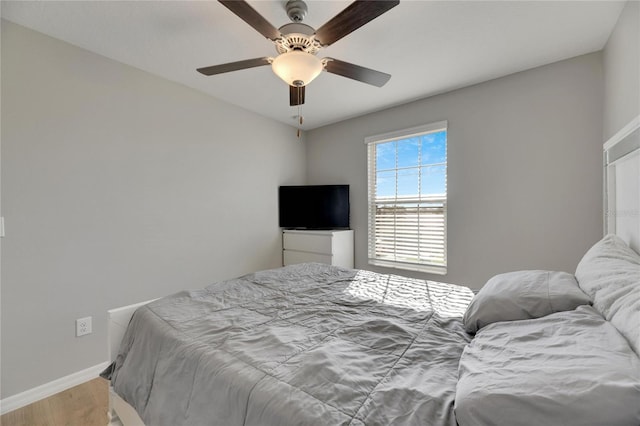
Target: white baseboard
44,391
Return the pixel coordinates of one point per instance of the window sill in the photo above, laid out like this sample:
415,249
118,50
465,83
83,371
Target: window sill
430,269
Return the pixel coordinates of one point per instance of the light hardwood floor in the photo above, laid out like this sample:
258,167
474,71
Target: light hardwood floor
82,405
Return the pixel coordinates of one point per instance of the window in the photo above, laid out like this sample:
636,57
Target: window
408,198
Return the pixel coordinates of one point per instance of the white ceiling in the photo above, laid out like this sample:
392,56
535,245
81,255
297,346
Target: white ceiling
428,47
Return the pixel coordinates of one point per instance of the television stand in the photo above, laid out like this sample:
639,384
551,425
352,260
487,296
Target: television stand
333,247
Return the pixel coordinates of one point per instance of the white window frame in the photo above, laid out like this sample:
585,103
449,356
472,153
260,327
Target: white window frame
371,142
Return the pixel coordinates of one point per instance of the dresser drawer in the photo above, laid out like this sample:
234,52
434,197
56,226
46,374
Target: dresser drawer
293,257
318,243
333,247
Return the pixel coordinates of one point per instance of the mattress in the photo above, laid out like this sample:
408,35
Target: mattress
306,344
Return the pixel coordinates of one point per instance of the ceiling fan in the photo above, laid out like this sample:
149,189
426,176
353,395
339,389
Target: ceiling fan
298,44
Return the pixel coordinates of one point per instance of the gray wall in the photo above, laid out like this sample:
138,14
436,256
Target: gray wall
622,71
117,187
524,177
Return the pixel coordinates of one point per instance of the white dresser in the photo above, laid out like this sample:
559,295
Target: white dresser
331,247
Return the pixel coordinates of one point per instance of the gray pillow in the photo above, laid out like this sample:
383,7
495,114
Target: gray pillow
610,274
523,295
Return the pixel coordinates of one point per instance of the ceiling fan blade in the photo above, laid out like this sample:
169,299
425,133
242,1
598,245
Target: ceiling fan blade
233,66
356,72
296,95
249,15
353,17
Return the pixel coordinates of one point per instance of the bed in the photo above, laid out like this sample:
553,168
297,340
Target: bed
314,344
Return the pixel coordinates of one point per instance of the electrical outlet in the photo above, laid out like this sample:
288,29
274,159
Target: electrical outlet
83,326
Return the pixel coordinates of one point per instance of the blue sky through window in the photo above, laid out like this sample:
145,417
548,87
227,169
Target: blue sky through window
415,166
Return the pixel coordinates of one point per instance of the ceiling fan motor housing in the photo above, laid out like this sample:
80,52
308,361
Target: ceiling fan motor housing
297,36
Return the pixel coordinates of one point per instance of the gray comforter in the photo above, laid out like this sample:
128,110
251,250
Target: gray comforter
569,368
306,344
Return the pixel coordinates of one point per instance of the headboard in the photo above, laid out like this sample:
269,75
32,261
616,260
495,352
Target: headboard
622,184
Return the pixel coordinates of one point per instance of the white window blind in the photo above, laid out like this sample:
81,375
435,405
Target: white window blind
408,198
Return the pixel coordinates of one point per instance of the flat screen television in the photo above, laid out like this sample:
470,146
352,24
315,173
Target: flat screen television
314,207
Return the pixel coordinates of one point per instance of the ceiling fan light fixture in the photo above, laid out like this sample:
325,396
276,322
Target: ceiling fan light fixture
297,68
